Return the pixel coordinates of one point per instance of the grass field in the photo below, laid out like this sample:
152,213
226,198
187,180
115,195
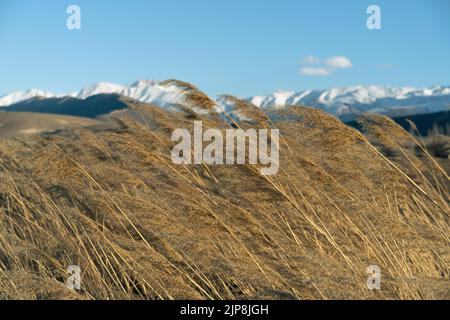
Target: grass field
110,200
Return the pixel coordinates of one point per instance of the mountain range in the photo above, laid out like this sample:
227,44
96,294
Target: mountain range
348,101
345,102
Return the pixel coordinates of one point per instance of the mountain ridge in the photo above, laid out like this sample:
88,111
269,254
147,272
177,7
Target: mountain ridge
344,102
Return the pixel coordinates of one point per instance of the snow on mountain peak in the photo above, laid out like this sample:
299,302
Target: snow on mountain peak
143,83
99,88
19,96
148,91
338,101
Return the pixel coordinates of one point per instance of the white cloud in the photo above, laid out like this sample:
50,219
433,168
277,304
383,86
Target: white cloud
311,60
386,66
323,67
338,62
318,72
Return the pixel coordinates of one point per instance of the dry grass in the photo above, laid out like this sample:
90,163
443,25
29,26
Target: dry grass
112,202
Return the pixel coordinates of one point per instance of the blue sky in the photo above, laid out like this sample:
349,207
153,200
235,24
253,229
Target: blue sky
241,47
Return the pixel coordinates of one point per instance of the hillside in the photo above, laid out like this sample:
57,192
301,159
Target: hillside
90,107
24,123
425,123
140,227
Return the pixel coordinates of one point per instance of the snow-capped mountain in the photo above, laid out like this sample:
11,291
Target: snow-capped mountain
144,90
148,91
357,99
19,96
338,101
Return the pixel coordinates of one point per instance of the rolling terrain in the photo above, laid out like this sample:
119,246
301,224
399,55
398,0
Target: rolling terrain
90,107
24,123
427,124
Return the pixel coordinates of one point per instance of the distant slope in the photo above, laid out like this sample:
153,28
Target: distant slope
23,123
424,122
90,107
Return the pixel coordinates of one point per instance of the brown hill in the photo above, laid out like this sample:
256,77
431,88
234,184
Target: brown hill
23,123
90,107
